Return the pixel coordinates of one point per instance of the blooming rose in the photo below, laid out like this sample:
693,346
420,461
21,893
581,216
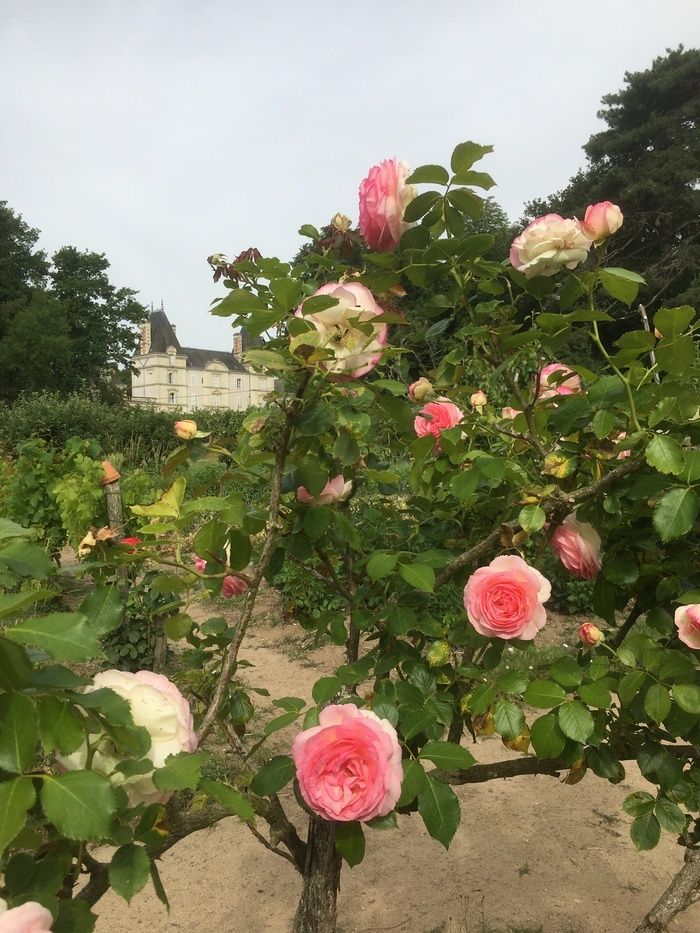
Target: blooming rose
577,545
548,244
200,565
550,387
504,600
186,430
384,195
436,417
158,706
590,634
478,399
687,619
601,221
29,917
421,390
354,351
349,766
233,586
335,490
510,413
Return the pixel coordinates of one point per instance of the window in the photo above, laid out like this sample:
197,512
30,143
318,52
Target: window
171,398
193,380
239,383
171,359
216,379
170,378
193,401
217,400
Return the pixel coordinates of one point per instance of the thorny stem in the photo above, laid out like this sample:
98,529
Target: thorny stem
595,337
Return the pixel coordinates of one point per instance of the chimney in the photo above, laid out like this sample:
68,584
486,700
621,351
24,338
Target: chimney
145,339
237,348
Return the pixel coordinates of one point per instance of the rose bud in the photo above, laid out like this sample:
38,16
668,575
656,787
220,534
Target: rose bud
341,223
384,196
233,586
510,413
200,565
590,634
478,399
601,221
335,490
421,390
687,620
186,430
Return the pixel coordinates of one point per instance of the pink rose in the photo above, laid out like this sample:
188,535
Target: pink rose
436,417
478,399
233,586
504,600
158,706
577,545
384,196
29,917
335,490
549,387
343,329
687,619
349,766
186,430
601,221
549,244
590,634
421,390
200,565
510,413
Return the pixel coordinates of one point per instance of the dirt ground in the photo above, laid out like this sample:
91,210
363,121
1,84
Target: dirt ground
532,855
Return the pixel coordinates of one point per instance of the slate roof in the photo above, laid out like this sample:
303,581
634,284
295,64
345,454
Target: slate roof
163,336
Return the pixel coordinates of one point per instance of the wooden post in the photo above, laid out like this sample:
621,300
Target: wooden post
113,495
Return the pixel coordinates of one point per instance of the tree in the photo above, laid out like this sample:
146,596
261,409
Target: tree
35,352
22,266
648,162
493,221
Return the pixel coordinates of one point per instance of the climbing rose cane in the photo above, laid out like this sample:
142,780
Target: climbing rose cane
349,766
687,619
384,196
504,600
29,917
335,490
577,545
355,352
158,706
548,244
601,221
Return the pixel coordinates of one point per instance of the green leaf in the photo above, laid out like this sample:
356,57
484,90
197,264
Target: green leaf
546,736
168,506
420,576
475,179
13,602
18,732
575,720
603,422
316,419
671,322
230,798
280,722
665,454
638,804
439,807
620,284
532,518
428,175
544,694
15,667
447,755
16,797
26,559
60,725
657,702
670,815
414,721
420,205
380,564
566,672
687,696
239,301
596,694
10,529
180,771
287,292
104,608
675,513
80,804
467,203
630,685
129,870
65,636
345,449
316,521
645,832
677,355
513,682
350,842
273,776
508,719
413,781
325,689
466,154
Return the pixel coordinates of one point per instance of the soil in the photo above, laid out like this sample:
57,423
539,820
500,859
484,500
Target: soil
532,855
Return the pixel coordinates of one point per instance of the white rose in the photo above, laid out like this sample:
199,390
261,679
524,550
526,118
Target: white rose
548,244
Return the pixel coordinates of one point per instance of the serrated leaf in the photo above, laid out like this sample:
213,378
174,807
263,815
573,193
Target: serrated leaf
532,518
575,720
104,608
439,808
670,815
26,559
665,454
544,694
129,870
15,667
675,513
18,732
547,738
180,771
428,175
16,797
60,725
447,755
350,842
12,603
466,154
508,719
413,781
657,702
645,832
230,798
380,564
273,776
325,689
420,576
80,804
687,696
65,636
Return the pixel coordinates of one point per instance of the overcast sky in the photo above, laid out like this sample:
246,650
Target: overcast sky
161,131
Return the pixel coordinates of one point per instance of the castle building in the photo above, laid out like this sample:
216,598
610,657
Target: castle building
167,375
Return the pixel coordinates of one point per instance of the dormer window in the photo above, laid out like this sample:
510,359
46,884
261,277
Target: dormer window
170,378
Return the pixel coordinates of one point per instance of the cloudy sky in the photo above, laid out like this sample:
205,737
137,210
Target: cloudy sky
161,131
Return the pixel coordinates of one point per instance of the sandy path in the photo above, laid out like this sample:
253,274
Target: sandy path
531,853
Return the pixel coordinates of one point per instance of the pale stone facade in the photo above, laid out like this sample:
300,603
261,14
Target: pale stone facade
167,375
